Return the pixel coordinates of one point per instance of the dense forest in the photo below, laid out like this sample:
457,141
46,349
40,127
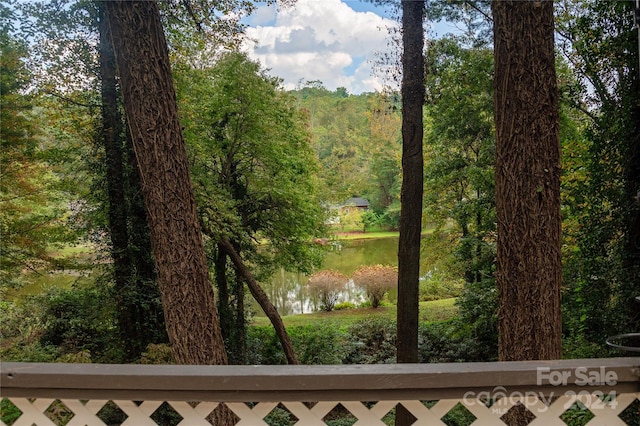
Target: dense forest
267,169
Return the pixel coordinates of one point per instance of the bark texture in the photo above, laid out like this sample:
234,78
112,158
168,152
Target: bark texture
412,179
151,108
527,175
412,89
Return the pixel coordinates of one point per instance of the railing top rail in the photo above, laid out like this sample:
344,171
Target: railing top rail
316,382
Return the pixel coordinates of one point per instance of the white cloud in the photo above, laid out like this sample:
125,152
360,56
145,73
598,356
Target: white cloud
322,40
264,15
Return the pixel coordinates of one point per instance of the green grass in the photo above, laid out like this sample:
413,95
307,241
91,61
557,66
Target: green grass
437,310
359,235
362,236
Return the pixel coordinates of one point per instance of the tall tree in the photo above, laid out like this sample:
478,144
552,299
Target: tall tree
138,300
151,108
412,186
254,172
600,42
527,175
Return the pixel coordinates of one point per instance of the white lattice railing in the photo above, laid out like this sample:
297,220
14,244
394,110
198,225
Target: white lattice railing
365,395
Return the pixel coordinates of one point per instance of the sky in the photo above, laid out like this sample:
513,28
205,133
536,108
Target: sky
333,41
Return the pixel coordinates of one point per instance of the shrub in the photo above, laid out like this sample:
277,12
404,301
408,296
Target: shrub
438,285
327,285
371,341
376,280
158,354
20,329
452,341
80,319
313,345
344,305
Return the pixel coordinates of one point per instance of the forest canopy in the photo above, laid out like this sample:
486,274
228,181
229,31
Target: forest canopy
271,170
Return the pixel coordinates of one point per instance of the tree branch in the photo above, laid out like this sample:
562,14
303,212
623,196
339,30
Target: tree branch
261,297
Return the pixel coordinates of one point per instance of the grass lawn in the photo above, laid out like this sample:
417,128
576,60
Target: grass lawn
359,235
437,310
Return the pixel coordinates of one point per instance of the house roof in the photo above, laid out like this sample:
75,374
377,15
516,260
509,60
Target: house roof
357,201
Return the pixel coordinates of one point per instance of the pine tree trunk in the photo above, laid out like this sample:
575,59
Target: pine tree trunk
412,188
527,174
151,107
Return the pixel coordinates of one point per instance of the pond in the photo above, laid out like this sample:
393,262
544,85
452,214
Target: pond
287,290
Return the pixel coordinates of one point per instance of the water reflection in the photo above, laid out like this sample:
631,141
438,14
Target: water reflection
288,291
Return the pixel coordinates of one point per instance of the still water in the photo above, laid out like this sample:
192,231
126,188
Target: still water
287,290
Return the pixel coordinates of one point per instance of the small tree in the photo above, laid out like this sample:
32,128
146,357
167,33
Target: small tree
327,285
376,280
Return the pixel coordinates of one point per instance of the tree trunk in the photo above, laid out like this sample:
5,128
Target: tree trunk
240,323
412,179
527,175
150,104
412,188
148,298
117,207
260,296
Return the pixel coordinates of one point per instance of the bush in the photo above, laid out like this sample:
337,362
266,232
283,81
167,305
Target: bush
78,320
371,341
437,285
313,345
20,329
376,280
157,354
344,305
327,285
452,341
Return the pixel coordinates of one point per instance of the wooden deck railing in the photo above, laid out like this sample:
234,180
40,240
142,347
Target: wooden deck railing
86,394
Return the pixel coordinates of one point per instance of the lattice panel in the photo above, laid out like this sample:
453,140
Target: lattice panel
47,412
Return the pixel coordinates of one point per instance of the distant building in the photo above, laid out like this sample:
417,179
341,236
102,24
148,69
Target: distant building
351,205
355,203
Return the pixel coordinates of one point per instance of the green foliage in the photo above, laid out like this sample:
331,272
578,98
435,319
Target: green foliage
20,328
279,417
453,341
479,312
459,178
80,319
344,305
357,141
459,415
436,285
602,170
9,413
159,353
372,341
313,345
253,168
33,209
